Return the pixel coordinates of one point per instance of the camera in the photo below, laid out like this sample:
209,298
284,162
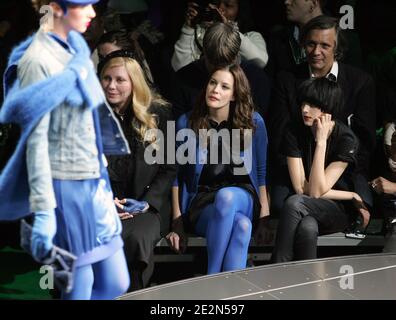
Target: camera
206,13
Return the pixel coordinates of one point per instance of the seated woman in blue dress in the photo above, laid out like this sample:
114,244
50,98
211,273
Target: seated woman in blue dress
221,191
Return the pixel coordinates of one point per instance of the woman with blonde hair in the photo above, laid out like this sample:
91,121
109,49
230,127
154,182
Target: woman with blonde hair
141,188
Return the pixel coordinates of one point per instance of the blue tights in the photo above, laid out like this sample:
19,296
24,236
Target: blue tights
105,279
226,225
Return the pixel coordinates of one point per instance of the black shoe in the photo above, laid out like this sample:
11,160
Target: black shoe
356,230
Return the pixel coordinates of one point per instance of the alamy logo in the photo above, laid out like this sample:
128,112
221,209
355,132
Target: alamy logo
187,147
347,281
347,20
47,280
48,16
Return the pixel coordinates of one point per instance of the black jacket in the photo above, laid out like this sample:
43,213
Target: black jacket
132,177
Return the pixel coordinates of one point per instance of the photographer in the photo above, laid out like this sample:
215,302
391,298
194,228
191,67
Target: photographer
200,16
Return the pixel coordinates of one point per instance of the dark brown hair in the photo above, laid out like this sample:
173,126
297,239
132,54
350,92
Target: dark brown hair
324,22
241,109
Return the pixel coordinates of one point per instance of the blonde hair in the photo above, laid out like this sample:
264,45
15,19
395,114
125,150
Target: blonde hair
142,96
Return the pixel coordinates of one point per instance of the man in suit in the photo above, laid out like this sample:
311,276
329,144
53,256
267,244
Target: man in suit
221,47
320,40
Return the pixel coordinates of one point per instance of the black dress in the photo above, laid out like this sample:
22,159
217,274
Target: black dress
216,176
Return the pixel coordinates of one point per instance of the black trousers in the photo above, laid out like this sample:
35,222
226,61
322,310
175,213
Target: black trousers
280,189
140,234
302,220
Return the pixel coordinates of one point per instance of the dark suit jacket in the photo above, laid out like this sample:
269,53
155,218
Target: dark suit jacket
146,182
279,49
190,81
359,101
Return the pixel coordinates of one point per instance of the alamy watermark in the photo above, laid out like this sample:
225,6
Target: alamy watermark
47,19
188,147
347,280
347,21
47,280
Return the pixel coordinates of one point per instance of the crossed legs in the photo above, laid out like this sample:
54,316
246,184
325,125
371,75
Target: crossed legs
227,226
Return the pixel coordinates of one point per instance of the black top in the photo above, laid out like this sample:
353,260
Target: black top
121,168
221,173
284,50
216,176
342,145
131,176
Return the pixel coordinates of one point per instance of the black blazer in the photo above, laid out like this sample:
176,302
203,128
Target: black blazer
359,106
146,182
279,49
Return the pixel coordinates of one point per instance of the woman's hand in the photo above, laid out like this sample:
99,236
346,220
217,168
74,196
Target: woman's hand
127,208
173,240
177,238
122,213
43,232
323,126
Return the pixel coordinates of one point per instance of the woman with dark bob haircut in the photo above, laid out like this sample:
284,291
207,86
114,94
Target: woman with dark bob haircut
321,153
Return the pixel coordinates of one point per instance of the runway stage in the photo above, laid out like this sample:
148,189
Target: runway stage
343,278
